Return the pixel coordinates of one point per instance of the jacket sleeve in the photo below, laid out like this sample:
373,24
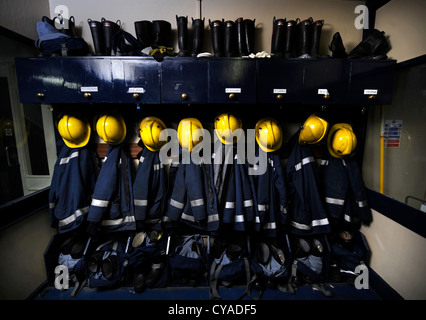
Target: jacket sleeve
195,183
335,187
280,189
106,185
359,192
141,185
53,194
178,197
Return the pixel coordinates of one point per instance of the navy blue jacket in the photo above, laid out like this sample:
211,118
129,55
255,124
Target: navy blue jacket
193,200
112,204
71,188
345,192
270,189
149,187
308,215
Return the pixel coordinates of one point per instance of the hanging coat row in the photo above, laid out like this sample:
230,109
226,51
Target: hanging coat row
212,197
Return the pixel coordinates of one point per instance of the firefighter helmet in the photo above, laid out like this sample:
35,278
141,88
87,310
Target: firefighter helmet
341,140
188,134
150,129
74,130
111,128
225,125
313,130
269,135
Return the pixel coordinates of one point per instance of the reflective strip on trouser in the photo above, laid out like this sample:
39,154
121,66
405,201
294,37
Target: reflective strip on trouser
73,217
314,223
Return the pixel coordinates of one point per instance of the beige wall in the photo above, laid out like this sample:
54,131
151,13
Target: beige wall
397,256
22,248
338,15
402,22
21,16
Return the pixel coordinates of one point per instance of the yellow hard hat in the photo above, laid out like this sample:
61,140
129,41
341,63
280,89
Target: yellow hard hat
269,135
150,129
341,140
111,128
74,130
225,124
187,134
314,130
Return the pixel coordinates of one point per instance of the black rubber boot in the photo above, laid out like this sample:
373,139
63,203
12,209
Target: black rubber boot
316,36
109,29
304,30
216,28
337,48
197,36
230,39
241,37
97,36
249,27
162,33
182,29
290,45
278,37
144,33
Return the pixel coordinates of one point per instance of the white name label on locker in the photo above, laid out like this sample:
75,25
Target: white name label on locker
136,90
89,89
232,90
322,91
370,91
280,90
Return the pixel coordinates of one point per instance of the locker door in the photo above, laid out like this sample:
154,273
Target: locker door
371,82
279,80
135,80
232,80
184,81
325,81
40,80
87,79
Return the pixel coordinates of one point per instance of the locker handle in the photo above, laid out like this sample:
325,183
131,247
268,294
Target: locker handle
40,95
136,96
87,95
184,96
280,96
232,96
